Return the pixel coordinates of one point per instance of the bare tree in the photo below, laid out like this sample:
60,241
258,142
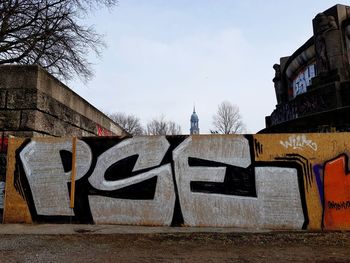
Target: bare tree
160,126
48,33
129,123
227,119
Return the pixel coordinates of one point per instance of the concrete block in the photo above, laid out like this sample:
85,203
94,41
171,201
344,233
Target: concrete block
53,107
43,103
18,76
88,125
21,99
21,134
43,123
31,88
38,121
3,93
10,119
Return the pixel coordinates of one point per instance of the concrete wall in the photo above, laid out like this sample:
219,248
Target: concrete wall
34,103
280,181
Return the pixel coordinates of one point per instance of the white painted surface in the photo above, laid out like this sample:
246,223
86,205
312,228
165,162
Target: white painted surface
151,151
277,204
202,209
48,181
279,200
159,211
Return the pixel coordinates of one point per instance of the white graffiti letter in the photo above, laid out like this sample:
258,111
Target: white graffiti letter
277,204
159,211
46,177
299,142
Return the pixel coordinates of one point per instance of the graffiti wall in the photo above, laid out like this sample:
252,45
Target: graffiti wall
279,181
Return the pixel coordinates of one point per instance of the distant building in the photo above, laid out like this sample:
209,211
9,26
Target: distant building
194,122
313,84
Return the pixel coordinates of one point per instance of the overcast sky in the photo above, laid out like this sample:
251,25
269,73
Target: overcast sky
163,56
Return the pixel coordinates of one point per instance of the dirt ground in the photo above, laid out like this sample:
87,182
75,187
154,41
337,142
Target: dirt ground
177,247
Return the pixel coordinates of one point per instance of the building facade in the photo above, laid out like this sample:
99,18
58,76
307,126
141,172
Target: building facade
312,85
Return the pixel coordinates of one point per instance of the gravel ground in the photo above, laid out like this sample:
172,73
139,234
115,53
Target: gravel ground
177,247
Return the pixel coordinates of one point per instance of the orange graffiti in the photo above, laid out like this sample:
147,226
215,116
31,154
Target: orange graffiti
337,194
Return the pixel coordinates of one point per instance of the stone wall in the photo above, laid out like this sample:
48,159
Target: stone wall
34,103
265,181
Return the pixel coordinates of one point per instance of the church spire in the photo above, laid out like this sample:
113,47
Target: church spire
194,122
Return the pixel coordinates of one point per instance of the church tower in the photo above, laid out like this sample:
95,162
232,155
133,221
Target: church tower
194,122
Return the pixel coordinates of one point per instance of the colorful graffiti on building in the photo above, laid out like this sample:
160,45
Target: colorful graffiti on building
280,181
